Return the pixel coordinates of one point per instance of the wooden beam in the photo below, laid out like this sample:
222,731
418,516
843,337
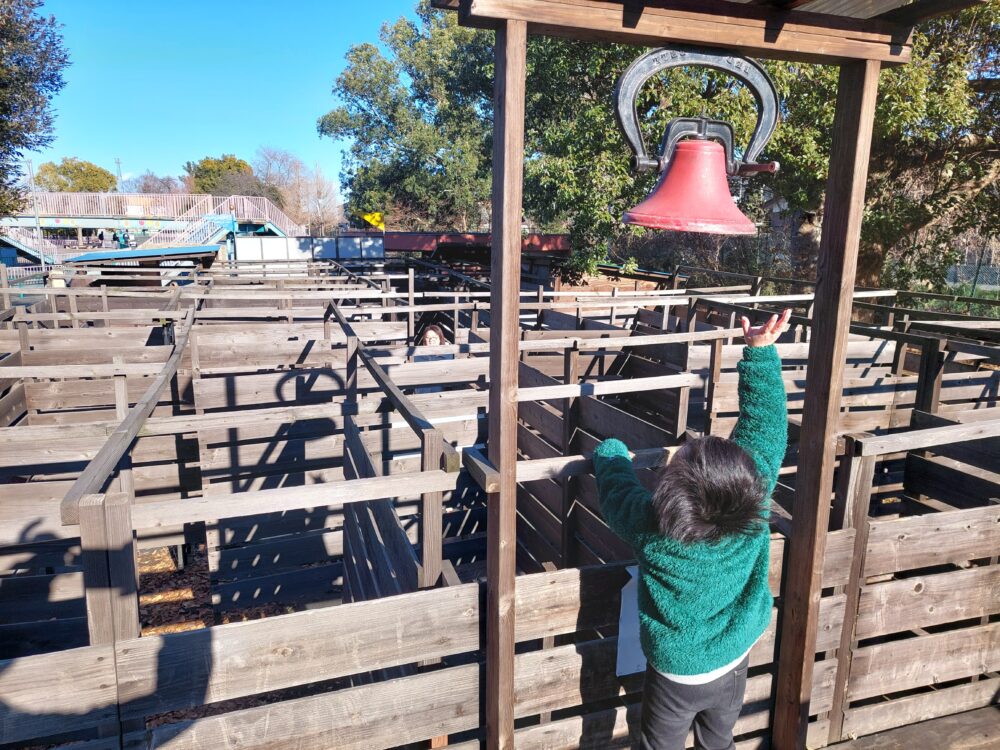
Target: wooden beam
608,387
747,29
838,256
93,477
510,53
169,513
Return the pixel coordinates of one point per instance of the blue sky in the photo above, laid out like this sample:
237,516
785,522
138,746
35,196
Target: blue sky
158,83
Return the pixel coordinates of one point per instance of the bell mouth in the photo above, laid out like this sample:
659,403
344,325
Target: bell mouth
686,224
692,195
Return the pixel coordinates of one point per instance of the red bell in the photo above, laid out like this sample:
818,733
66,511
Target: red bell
692,194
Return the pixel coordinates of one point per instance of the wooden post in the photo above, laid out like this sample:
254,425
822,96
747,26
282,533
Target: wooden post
104,304
351,374
409,303
73,311
928,393
5,286
838,258
714,375
851,511
122,568
97,587
195,368
431,512
505,263
571,375
125,480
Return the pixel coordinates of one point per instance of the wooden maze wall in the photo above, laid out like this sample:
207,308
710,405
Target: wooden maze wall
310,448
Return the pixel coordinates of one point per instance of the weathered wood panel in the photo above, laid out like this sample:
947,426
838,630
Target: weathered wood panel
927,600
916,708
52,693
924,660
933,539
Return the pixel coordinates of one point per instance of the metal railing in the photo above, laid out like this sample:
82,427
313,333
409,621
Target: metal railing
156,206
32,240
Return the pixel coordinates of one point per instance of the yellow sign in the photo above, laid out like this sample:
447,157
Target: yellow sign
375,219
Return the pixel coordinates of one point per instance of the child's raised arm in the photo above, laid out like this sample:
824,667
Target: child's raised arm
625,504
762,429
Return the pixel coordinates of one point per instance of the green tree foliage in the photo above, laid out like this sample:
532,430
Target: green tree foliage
419,118
934,154
72,175
229,175
32,59
206,175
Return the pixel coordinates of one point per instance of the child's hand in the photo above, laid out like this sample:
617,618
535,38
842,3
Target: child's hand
767,333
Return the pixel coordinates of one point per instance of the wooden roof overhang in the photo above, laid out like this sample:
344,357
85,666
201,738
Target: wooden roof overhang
816,31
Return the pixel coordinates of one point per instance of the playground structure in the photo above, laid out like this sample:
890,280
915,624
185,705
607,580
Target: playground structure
336,475
153,219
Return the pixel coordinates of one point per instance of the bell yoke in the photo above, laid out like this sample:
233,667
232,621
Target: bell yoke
692,193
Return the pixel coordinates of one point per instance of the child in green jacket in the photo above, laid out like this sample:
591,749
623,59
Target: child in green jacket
702,543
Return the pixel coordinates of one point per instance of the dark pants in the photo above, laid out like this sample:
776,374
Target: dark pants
670,708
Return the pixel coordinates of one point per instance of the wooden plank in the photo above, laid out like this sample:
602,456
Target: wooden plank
924,601
55,693
751,31
930,437
321,583
604,419
924,660
21,639
166,673
918,708
510,51
956,483
28,598
274,555
542,418
369,717
13,405
844,207
933,539
609,387
170,513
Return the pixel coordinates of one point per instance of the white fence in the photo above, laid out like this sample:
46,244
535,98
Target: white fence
307,248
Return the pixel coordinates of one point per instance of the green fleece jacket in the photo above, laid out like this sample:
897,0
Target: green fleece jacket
702,605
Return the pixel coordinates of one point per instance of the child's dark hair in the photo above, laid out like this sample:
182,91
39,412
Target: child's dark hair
711,489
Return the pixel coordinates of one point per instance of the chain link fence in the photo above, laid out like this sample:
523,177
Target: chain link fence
988,276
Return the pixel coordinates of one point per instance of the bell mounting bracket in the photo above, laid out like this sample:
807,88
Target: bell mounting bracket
749,72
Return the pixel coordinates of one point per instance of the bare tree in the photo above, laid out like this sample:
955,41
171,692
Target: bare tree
323,209
275,166
307,196
148,182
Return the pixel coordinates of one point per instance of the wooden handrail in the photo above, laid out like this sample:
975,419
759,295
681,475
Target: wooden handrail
94,476
927,438
558,468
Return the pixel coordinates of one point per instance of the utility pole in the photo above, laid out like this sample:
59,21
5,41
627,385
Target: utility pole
34,205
